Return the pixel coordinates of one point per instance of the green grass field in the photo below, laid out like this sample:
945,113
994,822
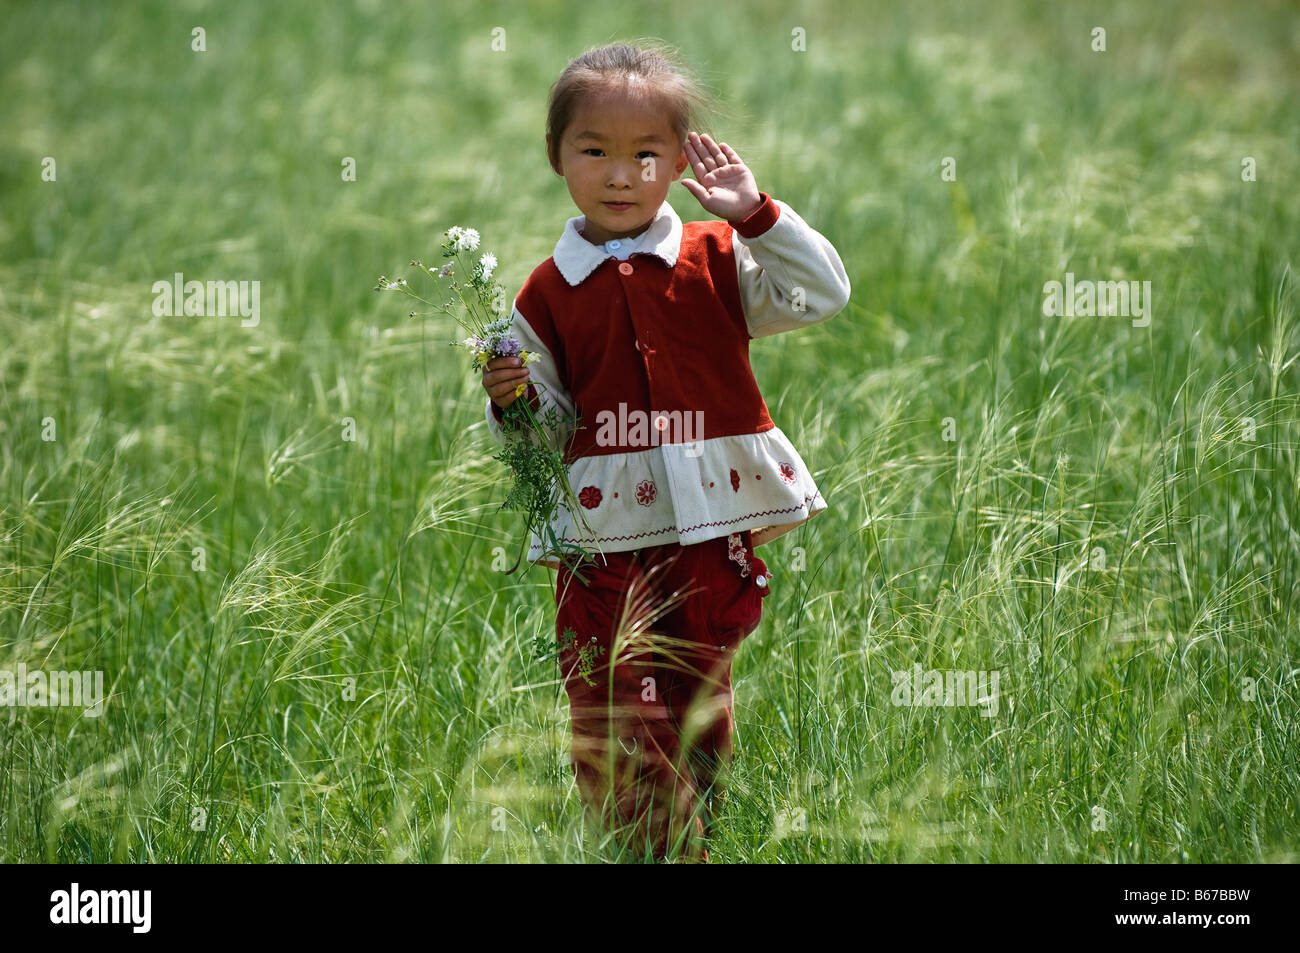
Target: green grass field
1107,514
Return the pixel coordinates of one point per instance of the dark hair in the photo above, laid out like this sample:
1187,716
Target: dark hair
651,69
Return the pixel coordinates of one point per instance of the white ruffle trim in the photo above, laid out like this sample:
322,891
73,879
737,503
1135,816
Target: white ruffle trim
665,495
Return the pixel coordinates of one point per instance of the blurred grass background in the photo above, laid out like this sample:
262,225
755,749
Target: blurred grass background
1106,529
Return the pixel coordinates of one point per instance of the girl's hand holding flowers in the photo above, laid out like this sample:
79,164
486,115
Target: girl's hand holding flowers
474,300
505,379
723,184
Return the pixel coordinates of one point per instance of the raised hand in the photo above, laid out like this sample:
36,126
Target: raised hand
723,184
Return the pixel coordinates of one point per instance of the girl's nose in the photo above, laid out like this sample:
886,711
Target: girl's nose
622,174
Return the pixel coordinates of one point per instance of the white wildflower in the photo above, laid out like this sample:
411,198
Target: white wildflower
488,263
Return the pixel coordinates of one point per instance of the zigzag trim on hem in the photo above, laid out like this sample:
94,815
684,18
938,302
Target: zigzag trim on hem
669,529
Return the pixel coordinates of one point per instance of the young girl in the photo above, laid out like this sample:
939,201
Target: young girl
641,326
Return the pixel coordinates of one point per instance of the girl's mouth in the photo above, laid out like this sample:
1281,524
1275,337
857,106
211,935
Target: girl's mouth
618,206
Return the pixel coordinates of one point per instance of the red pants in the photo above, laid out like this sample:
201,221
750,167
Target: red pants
652,731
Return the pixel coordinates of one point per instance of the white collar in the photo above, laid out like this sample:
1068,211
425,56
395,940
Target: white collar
577,258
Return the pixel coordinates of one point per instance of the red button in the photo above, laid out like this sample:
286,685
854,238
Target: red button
624,268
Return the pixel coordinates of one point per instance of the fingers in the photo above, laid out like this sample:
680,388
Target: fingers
499,383
712,155
697,163
695,189
503,395
706,151
503,375
719,157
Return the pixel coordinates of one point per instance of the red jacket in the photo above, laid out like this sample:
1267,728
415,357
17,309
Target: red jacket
675,440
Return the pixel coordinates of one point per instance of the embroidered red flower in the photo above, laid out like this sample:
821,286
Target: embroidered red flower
646,492
590,497
735,481
787,472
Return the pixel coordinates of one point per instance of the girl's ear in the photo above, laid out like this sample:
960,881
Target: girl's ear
556,165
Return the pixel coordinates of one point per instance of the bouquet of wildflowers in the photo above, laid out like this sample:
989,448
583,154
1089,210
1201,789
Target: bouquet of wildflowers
541,479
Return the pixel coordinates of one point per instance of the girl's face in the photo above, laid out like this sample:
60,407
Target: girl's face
618,157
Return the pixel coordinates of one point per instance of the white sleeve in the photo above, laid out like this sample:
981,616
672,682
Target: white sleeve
790,276
545,381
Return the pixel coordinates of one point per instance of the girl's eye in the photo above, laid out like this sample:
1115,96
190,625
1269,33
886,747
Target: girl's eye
599,152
